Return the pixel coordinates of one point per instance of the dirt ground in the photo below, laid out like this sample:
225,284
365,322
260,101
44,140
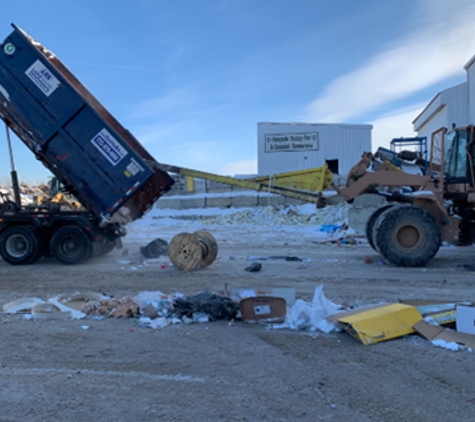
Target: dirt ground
117,371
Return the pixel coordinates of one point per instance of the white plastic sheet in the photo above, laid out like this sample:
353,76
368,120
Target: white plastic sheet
312,316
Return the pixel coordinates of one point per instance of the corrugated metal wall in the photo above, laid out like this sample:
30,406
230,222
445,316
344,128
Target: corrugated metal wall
343,142
457,110
437,120
448,107
471,92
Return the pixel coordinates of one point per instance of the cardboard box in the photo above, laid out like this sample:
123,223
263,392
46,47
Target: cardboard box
377,323
238,293
431,332
264,309
465,319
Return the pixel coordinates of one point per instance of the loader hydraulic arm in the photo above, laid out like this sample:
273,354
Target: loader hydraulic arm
286,184
372,180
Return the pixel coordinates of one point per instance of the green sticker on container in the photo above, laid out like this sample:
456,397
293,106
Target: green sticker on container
9,49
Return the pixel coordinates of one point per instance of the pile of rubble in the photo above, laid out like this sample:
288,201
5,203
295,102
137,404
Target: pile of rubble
28,194
284,215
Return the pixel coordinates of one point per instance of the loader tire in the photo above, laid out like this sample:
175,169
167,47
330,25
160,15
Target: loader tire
70,245
371,222
407,236
19,245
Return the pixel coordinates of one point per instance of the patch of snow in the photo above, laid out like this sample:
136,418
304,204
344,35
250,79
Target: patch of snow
446,345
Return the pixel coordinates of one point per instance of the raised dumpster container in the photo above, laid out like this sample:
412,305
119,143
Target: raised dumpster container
73,135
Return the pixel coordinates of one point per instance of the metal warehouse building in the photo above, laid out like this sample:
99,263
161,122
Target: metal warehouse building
284,147
455,105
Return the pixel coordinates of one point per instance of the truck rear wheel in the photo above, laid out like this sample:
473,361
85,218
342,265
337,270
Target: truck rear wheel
407,236
371,222
40,248
99,249
70,245
19,245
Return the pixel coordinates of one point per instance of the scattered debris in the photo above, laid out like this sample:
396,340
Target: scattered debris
339,234
312,316
465,319
434,333
438,311
293,258
155,249
22,305
238,293
254,267
64,308
377,323
160,322
273,257
216,307
118,308
368,324
200,317
263,309
49,311
79,300
369,259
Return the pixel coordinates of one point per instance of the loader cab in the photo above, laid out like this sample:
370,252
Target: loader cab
459,159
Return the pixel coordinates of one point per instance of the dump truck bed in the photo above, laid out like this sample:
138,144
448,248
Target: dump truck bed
73,135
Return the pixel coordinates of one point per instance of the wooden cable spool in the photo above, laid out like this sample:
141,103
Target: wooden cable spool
189,251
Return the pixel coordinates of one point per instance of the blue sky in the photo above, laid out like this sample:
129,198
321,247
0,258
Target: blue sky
192,78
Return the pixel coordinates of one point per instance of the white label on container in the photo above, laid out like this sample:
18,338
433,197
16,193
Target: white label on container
42,78
262,310
109,147
134,167
284,142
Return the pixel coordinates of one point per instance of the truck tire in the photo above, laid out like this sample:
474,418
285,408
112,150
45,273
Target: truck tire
371,222
407,236
70,245
19,245
40,249
102,248
109,247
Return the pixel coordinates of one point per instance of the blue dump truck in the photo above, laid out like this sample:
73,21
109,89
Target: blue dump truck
94,157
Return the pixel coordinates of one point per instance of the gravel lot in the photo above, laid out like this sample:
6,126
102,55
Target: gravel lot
115,370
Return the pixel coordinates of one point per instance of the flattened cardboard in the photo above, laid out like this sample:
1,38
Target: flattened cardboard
264,309
465,319
378,323
431,332
22,305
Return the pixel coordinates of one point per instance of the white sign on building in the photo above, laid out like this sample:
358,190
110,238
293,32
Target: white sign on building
307,145
291,142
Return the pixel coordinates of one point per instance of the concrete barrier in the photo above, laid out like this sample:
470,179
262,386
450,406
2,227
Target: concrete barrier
271,200
218,202
192,203
244,201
